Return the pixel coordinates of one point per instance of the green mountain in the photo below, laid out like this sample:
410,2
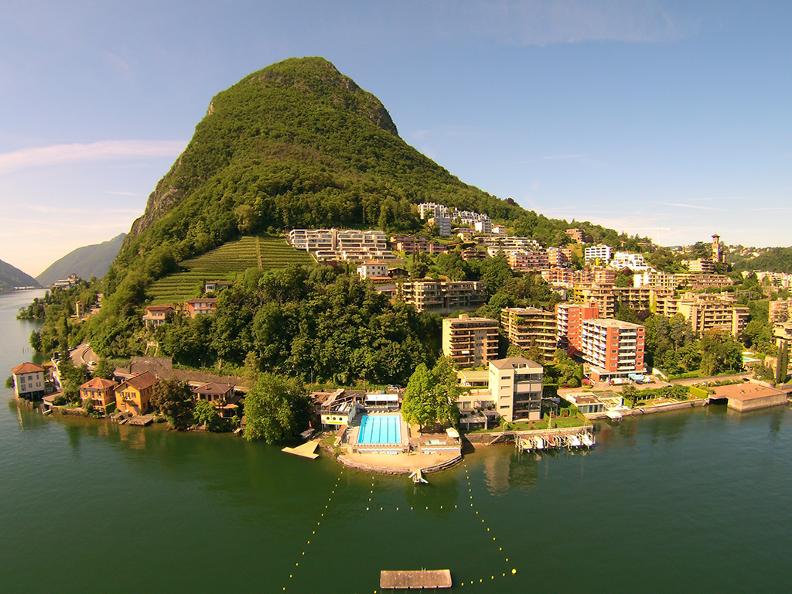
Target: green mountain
299,144
86,262
11,277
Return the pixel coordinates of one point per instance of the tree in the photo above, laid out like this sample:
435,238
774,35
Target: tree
206,414
276,409
174,400
720,353
71,378
431,395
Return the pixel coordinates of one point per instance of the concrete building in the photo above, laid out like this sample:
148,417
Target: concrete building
602,296
599,253
654,279
612,348
558,256
569,324
352,245
700,265
702,281
438,295
469,341
528,327
634,262
156,315
779,310
747,396
201,306
442,224
373,269
526,260
576,235
28,380
558,276
706,312
483,226
718,255
100,392
515,386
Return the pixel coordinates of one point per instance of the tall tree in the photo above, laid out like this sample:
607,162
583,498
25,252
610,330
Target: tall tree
174,400
431,395
276,409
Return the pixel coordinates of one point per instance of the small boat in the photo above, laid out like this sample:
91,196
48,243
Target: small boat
574,441
588,440
539,443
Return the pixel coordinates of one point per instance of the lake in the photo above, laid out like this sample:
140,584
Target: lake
693,501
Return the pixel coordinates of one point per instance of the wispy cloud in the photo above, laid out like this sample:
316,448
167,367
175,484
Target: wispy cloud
689,205
58,154
546,22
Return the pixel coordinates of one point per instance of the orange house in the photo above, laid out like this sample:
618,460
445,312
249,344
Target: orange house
134,394
99,391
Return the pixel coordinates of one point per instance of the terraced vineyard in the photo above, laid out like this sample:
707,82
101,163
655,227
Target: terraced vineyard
225,263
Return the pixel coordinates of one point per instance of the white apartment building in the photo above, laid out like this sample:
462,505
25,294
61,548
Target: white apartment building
634,262
442,224
483,226
327,245
373,269
654,279
599,252
430,210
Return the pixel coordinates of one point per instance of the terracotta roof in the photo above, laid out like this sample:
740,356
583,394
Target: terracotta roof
513,363
98,383
213,389
141,381
26,368
159,307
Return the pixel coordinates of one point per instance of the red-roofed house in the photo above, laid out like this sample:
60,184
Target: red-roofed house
202,306
28,380
134,394
99,391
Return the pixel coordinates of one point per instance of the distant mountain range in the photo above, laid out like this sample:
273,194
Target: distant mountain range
85,262
11,277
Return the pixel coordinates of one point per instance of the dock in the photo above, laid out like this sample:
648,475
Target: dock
141,420
306,450
419,579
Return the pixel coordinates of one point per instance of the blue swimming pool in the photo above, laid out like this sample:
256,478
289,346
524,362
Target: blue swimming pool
379,429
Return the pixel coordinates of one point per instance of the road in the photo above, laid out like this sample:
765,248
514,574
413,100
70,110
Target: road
83,355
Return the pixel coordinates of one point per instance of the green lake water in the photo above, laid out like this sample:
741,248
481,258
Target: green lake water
694,501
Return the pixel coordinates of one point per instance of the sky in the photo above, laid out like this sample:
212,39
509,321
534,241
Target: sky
669,119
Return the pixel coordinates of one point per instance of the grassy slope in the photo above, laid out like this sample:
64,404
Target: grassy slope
225,262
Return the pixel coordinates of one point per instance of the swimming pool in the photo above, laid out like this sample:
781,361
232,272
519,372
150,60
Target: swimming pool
379,429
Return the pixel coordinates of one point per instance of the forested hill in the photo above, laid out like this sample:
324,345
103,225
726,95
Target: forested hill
11,277
86,262
299,144
778,259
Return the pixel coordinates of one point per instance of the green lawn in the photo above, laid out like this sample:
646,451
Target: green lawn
225,263
556,423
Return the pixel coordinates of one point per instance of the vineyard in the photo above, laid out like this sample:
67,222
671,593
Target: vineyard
225,263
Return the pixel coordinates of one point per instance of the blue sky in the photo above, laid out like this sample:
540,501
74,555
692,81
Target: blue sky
667,119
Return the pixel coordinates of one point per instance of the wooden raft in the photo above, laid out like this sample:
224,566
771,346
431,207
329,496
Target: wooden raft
415,579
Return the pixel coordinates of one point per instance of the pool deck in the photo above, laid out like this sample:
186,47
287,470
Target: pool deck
400,463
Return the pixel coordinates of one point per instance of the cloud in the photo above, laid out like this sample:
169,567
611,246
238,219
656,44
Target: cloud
59,154
689,205
546,22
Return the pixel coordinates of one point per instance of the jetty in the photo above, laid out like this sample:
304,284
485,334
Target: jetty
306,450
420,579
529,443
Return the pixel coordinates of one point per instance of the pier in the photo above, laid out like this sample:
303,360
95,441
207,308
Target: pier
551,441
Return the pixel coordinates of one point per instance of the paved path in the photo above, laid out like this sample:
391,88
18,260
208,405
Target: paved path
83,355
713,378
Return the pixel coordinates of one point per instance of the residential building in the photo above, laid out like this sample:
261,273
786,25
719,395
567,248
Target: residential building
200,306
569,324
527,260
100,392
353,245
700,265
702,281
470,341
509,242
622,260
221,395
558,276
213,286
65,283
134,394
409,244
558,256
438,295
499,230
612,348
528,327
594,254
641,299
654,279
515,386
576,235
711,312
373,269
429,210
156,315
472,253
779,310
442,224
483,226
28,381
602,296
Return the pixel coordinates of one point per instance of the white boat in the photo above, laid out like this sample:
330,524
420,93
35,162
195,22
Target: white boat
574,441
588,440
539,443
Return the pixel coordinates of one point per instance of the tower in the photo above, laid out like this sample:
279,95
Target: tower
717,249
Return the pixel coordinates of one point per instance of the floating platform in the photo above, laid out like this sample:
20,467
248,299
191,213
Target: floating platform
306,450
419,579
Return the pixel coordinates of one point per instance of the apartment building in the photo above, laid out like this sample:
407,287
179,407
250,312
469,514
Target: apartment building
569,324
779,310
576,235
483,226
612,348
470,341
622,260
597,276
373,269
441,224
430,210
602,296
28,380
515,386
558,276
701,281
526,260
713,312
654,279
641,299
437,295
700,265
529,327
329,245
509,242
597,253
558,256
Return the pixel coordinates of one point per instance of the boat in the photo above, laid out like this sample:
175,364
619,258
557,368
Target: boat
539,443
588,440
417,477
574,441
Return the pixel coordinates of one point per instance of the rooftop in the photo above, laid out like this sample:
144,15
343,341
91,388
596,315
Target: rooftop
27,367
514,363
98,383
746,391
611,323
